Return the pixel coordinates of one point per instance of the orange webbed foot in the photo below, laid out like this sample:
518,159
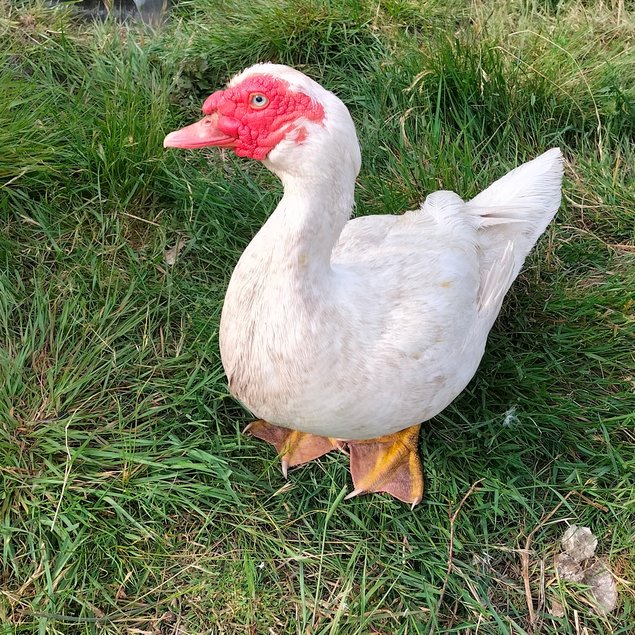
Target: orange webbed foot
388,464
294,447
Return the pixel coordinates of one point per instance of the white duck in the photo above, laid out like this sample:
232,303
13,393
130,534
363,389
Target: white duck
350,333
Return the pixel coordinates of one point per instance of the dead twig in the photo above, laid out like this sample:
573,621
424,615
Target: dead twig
453,517
588,501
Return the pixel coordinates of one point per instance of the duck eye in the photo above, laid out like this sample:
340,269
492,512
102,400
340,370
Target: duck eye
258,101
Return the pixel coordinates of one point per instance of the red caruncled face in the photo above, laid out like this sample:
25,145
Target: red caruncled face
251,117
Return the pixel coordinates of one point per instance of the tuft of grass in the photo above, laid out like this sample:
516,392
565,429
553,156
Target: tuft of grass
130,502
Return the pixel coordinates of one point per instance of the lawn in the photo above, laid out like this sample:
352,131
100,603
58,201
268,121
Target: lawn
130,500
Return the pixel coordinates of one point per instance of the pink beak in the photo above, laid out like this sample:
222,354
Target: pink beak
199,135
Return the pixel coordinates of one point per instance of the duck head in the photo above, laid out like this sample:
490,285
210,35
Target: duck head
277,115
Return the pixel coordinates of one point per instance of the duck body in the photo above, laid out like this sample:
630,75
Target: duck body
385,337
358,329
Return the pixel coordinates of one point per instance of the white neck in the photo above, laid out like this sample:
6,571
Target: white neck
310,217
319,184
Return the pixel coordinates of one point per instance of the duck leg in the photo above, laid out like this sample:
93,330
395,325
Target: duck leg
388,464
294,447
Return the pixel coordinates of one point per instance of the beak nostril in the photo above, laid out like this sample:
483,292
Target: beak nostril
210,120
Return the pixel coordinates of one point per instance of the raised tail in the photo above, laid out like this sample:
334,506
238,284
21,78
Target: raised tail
511,215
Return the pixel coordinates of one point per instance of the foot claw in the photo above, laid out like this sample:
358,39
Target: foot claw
353,494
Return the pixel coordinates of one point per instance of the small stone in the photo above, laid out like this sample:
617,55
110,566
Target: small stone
568,568
579,543
602,586
556,609
171,255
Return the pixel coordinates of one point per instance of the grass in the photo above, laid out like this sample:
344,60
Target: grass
130,501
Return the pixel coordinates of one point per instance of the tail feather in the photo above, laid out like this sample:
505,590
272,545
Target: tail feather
515,209
496,282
